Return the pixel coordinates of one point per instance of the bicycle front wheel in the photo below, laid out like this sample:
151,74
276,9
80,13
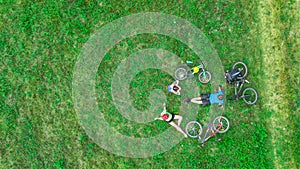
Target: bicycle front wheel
221,124
193,129
250,96
181,74
242,66
204,77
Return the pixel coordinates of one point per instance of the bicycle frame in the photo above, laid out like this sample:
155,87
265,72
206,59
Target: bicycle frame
238,86
200,66
204,76
213,133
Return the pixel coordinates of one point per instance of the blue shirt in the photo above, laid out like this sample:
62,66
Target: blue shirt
213,98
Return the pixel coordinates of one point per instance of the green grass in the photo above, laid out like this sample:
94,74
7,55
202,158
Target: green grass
40,44
276,36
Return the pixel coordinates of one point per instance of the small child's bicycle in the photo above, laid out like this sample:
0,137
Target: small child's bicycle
219,125
182,73
237,76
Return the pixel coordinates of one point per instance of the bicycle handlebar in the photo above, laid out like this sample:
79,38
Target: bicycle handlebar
189,62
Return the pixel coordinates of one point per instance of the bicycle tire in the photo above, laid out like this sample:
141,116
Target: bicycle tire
181,74
244,97
220,120
195,127
206,79
245,69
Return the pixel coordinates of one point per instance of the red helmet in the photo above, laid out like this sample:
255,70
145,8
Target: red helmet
165,116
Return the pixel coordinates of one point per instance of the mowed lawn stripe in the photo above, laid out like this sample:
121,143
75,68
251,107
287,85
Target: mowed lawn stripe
276,94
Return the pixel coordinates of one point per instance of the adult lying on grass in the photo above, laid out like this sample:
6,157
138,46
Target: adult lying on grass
170,117
208,99
174,87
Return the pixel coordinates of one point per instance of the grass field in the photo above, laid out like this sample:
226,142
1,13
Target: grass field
40,44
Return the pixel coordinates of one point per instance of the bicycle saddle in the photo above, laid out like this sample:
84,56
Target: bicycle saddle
233,75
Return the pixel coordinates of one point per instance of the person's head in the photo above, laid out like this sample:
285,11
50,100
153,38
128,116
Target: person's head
165,116
175,88
220,97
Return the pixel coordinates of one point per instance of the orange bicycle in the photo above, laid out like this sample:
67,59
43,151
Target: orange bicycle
219,125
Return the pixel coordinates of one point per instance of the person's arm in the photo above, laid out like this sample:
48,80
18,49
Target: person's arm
177,92
176,82
220,87
160,118
179,88
220,105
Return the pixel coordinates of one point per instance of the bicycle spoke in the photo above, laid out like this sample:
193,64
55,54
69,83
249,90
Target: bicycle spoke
180,73
249,96
242,67
204,77
193,129
221,124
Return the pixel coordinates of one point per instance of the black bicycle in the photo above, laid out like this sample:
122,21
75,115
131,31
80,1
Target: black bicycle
236,76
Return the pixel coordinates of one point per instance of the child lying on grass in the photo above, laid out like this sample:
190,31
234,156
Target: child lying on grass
174,88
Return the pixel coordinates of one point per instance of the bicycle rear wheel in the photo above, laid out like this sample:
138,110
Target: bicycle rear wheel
181,74
204,77
221,124
193,129
242,66
250,96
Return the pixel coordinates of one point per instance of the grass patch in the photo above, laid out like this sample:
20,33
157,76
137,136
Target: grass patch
40,43
277,20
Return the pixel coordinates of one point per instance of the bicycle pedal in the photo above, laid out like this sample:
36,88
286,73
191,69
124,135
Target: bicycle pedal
218,140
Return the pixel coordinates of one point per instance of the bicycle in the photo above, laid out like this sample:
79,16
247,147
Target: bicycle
219,125
237,77
182,73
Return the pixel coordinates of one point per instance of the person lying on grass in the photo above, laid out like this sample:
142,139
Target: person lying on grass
174,87
208,99
170,117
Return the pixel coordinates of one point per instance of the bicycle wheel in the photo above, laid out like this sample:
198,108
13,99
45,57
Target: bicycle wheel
193,129
221,124
249,96
204,77
241,65
181,74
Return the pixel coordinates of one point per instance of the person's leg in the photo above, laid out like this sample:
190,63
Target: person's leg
186,100
204,96
175,92
179,118
179,89
205,102
177,128
196,100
